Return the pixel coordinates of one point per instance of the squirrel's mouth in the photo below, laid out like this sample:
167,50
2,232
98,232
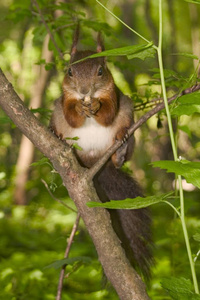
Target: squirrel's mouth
87,99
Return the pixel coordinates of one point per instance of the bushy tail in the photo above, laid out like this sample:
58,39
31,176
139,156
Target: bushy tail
133,227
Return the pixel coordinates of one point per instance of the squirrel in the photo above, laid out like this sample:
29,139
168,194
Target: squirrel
93,109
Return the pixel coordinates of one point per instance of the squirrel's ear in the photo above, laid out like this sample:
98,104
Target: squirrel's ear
100,44
75,41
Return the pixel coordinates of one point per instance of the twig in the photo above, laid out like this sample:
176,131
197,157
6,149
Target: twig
48,29
69,244
96,167
56,199
63,26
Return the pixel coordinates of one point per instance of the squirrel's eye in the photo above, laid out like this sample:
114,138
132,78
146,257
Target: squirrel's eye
70,72
100,71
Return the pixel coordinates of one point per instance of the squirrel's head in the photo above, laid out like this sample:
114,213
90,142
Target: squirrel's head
88,77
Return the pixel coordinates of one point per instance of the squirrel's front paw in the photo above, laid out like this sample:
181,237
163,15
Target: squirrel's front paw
83,108
122,135
94,106
54,131
79,108
119,157
91,107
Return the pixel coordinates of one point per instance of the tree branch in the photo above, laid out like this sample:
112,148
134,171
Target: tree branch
117,268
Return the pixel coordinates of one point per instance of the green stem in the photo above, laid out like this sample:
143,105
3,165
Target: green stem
174,208
110,12
182,211
187,242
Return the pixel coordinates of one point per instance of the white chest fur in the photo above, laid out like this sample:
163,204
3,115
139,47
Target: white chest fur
93,136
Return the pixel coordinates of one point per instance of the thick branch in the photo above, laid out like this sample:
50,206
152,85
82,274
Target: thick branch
111,255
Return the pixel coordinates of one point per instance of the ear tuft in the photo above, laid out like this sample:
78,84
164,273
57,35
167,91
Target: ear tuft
100,43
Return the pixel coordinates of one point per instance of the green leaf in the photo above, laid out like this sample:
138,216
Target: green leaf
187,105
186,109
146,53
41,162
193,98
179,288
128,203
167,73
76,146
39,34
190,170
129,51
97,26
68,261
18,13
76,138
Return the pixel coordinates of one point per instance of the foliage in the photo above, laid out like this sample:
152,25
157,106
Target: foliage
33,237
128,203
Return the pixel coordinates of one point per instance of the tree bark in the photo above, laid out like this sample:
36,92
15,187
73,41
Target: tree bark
78,182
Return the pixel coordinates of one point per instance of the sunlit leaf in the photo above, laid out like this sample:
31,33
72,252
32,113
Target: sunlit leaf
187,105
129,51
186,109
76,138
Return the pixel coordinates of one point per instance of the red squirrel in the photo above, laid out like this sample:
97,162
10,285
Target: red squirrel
93,109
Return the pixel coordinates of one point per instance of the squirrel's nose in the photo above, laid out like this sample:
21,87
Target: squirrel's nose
84,90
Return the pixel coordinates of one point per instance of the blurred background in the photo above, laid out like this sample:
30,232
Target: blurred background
34,227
